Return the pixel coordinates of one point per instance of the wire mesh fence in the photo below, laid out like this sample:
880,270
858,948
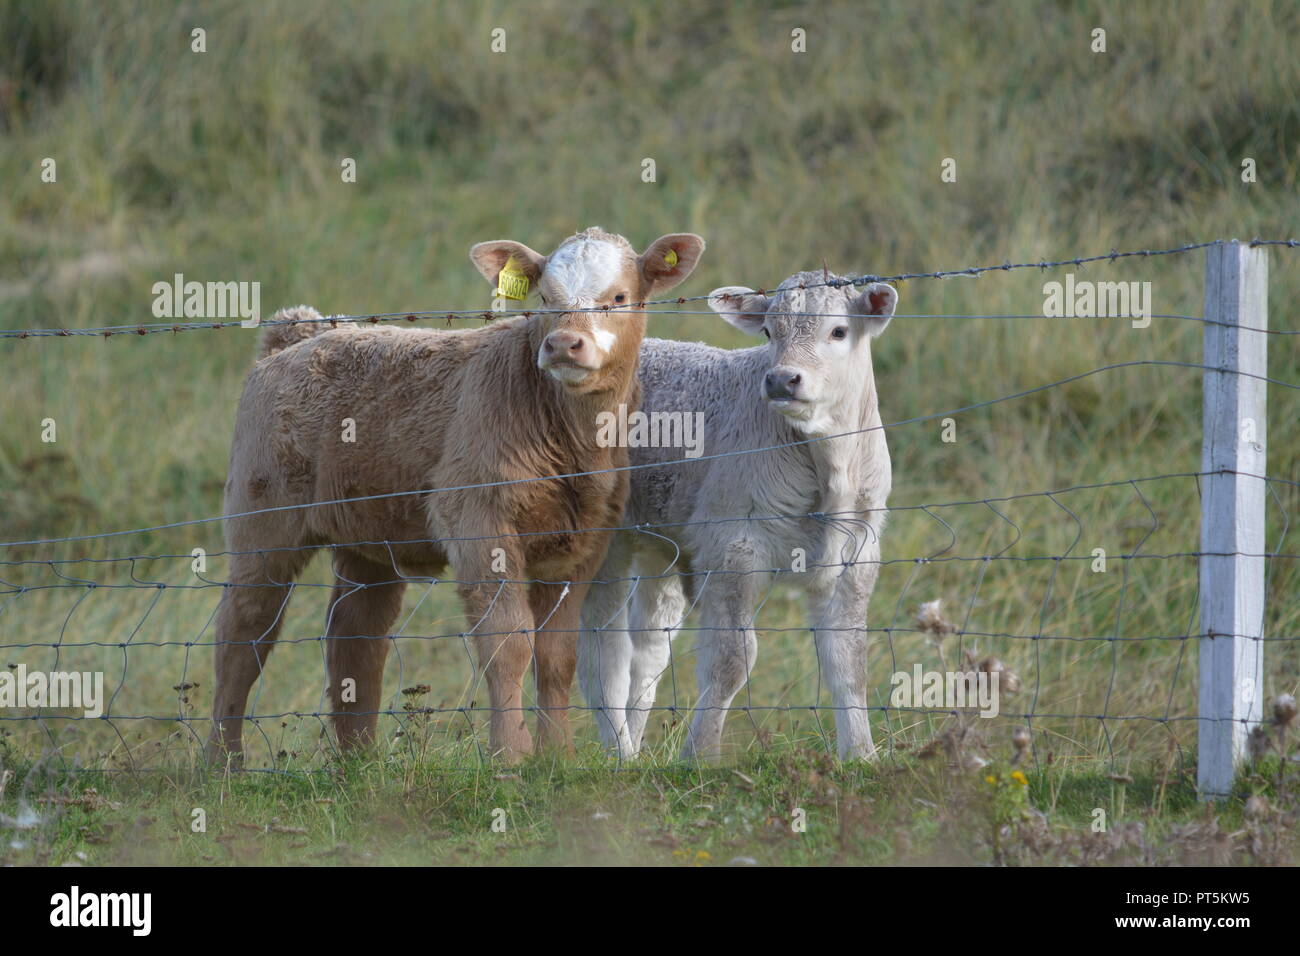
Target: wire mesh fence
1084,598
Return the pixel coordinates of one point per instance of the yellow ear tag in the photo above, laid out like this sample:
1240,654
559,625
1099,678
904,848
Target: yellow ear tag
670,257
511,283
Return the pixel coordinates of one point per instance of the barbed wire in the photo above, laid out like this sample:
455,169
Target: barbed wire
487,315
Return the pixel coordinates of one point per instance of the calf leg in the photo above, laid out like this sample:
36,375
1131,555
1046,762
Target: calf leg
556,612
658,608
843,658
839,632
605,650
504,650
366,600
496,607
604,665
252,609
724,661
725,653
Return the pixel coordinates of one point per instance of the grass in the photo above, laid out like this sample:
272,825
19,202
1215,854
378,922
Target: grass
782,805
224,165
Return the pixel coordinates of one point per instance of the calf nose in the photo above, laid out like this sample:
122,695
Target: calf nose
563,344
781,383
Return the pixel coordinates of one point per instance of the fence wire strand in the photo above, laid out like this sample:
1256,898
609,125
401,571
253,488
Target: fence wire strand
488,315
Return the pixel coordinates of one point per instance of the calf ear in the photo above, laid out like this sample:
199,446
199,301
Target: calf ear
875,306
741,306
490,258
669,260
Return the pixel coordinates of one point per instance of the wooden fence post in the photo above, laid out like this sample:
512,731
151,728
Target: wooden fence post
1232,512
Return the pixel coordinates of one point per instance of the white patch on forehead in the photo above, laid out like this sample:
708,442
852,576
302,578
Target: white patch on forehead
579,271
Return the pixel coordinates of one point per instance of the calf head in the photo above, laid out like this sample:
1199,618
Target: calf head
590,330
819,353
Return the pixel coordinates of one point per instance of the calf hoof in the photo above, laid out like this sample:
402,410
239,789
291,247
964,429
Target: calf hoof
513,746
692,753
865,752
355,735
864,756
219,755
625,753
553,737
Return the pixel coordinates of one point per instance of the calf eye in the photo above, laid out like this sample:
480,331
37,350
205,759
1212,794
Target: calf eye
620,297
840,333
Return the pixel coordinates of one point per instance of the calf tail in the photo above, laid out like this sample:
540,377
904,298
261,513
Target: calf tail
289,327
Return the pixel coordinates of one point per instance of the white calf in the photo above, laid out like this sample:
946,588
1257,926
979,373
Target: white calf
811,380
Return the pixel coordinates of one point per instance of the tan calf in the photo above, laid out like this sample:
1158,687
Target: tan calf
482,412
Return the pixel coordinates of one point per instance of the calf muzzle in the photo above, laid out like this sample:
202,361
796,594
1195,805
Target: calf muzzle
781,384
